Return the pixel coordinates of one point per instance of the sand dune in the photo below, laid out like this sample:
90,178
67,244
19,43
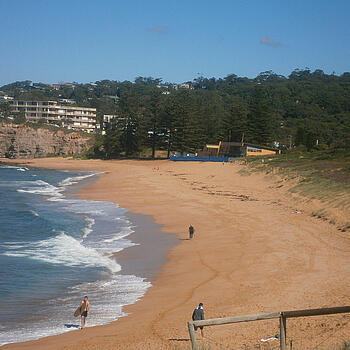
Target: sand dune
253,251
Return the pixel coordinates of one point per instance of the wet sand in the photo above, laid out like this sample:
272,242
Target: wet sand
253,251
149,255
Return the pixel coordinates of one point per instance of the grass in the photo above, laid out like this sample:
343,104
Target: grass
322,175
345,346
317,173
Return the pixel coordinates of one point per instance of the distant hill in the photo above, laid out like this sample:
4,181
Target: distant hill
305,108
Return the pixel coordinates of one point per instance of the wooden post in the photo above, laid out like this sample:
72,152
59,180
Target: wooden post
283,333
192,335
283,315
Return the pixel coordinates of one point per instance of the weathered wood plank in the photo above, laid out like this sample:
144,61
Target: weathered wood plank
316,312
283,315
236,319
192,335
283,333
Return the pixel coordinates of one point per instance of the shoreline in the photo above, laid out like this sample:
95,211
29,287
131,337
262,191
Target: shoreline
145,233
251,253
133,260
142,259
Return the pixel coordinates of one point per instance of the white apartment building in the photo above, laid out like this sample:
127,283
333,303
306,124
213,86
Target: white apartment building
75,118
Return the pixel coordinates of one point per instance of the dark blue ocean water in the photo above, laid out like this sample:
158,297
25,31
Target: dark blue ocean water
54,249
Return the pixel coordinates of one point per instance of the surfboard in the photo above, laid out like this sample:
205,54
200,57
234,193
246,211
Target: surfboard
80,310
77,312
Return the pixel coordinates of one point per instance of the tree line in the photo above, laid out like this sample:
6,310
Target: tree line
306,108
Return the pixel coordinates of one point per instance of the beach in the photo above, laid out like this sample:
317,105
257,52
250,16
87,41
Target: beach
255,249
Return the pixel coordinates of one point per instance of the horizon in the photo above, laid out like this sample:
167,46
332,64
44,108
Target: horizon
89,41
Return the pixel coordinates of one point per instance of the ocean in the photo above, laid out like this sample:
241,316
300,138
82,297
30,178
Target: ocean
56,248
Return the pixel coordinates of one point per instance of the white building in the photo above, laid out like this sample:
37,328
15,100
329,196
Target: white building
75,118
5,98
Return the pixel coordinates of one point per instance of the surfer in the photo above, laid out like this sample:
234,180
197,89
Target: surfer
85,310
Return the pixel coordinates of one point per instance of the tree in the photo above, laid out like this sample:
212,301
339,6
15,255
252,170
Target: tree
235,122
153,118
5,109
300,136
184,124
310,140
17,85
112,146
20,118
148,80
260,119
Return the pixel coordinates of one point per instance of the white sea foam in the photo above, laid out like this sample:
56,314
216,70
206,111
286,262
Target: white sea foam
124,232
124,220
65,250
9,167
75,179
22,169
42,188
92,208
11,245
109,295
19,168
34,212
107,299
88,229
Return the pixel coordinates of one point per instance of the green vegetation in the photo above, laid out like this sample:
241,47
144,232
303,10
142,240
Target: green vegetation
332,164
323,175
306,108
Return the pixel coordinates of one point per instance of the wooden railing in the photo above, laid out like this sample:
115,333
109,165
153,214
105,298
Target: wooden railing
282,315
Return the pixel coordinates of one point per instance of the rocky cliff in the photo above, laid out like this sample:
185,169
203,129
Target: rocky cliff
22,141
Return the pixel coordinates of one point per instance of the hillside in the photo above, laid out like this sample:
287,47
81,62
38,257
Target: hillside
309,108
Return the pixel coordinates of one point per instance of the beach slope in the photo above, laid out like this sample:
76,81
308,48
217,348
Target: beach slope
253,251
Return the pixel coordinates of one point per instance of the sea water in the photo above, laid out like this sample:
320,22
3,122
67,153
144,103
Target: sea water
54,249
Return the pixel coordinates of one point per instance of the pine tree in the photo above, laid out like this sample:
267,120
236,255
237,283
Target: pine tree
260,119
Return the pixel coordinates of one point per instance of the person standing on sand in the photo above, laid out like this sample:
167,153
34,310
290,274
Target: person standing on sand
191,231
198,314
85,310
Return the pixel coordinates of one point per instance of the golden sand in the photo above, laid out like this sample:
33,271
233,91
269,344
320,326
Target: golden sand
253,251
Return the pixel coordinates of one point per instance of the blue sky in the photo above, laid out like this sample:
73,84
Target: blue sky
88,40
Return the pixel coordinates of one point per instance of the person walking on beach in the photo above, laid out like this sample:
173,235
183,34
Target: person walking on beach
85,310
191,231
198,314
